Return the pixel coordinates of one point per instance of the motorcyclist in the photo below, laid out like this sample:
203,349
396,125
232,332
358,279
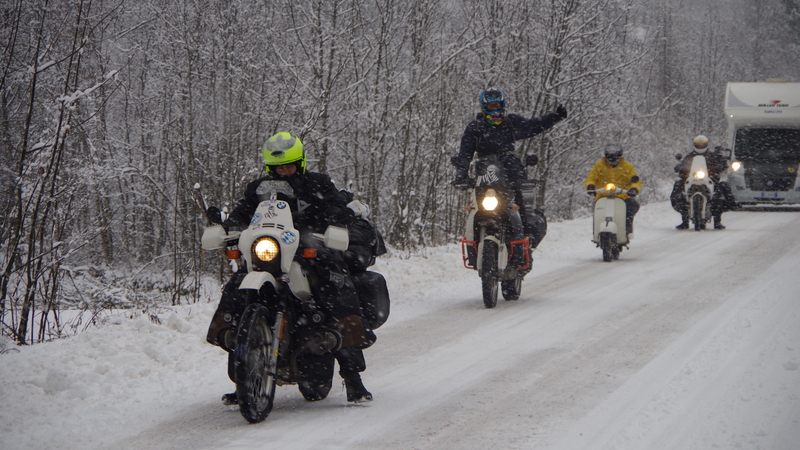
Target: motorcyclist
494,133
717,164
613,168
317,203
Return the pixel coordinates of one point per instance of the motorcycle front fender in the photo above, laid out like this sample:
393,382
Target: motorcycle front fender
254,280
502,253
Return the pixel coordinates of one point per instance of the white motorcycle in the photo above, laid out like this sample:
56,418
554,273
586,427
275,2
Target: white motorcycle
698,190
281,336
610,214
494,243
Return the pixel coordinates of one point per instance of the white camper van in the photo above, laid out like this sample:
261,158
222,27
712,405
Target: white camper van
764,135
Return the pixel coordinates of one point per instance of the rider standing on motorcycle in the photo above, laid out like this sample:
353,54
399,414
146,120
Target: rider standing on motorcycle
494,133
613,168
722,199
317,204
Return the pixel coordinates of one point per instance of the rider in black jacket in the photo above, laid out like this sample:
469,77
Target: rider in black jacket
494,133
722,200
317,203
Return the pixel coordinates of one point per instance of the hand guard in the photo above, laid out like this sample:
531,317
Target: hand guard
460,184
561,111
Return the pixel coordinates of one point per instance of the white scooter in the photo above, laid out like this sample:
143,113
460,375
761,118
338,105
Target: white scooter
609,220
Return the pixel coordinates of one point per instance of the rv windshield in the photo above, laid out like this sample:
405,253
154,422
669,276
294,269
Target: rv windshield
768,145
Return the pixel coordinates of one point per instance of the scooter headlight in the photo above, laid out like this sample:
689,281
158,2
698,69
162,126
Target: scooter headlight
490,200
611,187
736,166
699,175
266,249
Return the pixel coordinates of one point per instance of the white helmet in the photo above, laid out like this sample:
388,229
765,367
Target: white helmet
700,144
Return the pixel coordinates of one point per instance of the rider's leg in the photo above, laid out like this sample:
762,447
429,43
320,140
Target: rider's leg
717,208
680,204
335,293
351,364
631,208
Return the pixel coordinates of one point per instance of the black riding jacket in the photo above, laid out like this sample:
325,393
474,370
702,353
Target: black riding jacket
317,204
486,139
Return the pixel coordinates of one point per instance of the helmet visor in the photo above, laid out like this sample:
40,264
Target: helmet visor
494,105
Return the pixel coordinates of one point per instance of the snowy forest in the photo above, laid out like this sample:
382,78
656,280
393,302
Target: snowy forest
113,110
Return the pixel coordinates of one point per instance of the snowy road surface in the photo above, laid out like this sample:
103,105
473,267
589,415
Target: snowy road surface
690,341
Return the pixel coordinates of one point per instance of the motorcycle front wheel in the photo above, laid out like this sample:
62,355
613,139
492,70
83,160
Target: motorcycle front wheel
488,270
698,210
255,383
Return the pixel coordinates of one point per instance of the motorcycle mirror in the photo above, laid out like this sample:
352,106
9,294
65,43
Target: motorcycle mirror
678,156
214,215
531,160
635,179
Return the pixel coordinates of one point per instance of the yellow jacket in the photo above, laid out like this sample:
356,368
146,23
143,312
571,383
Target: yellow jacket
621,175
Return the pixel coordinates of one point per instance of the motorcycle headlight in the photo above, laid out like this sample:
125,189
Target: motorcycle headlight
611,187
699,175
736,166
490,200
266,249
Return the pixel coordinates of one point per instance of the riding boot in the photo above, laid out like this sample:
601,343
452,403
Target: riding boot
684,222
718,222
230,399
355,334
356,392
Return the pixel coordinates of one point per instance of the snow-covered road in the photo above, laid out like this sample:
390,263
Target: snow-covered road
690,340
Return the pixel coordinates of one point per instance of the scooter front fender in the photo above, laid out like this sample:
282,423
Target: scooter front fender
608,227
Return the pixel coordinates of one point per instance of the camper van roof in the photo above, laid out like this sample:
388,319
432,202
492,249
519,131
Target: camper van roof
751,104
762,95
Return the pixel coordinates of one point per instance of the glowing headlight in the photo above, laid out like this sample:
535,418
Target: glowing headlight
699,175
736,166
611,187
266,249
490,200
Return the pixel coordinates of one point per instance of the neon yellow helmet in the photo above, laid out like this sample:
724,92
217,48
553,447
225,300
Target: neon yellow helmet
281,149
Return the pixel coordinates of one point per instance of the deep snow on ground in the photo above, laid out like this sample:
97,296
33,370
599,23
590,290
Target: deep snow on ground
690,340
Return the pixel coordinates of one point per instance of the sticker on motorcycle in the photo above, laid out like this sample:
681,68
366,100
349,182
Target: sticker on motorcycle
490,177
287,237
256,218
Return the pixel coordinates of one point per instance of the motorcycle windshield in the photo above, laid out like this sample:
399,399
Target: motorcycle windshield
274,190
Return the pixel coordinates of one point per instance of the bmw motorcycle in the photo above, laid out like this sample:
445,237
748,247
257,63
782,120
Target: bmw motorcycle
698,189
281,337
494,243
